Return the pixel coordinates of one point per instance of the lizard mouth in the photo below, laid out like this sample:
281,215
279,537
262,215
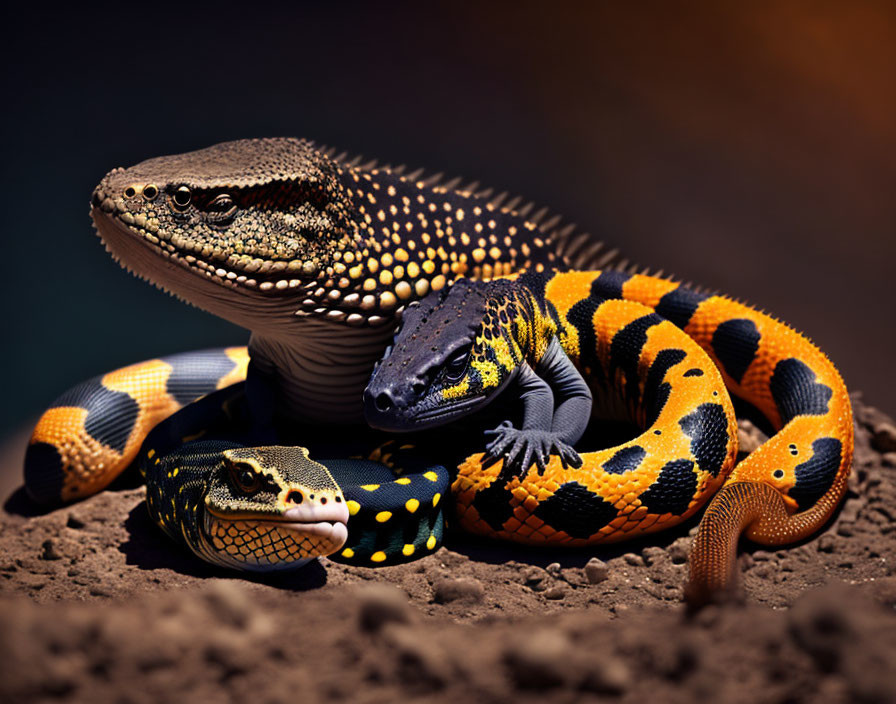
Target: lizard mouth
404,419
439,416
291,289
263,544
187,277
252,275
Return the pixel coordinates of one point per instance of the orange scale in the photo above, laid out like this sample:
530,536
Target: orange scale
631,497
524,531
649,520
520,513
531,503
520,493
546,533
534,522
665,521
606,534
638,513
553,476
544,494
512,524
618,522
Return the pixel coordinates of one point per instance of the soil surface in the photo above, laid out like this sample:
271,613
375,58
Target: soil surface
98,606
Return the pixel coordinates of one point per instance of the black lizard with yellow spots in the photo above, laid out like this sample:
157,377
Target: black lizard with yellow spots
549,339
318,257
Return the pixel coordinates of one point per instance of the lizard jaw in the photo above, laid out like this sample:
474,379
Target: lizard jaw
400,419
169,270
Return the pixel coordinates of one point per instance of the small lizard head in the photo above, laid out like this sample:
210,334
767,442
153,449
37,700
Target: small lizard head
455,351
256,509
265,218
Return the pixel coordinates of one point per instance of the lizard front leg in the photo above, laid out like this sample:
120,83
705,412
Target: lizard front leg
548,428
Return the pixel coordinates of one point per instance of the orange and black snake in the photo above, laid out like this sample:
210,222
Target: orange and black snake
663,354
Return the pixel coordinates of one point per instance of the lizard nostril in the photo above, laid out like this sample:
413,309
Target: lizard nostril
383,402
294,497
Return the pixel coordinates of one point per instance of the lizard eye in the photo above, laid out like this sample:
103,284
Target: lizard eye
244,478
457,365
222,209
181,197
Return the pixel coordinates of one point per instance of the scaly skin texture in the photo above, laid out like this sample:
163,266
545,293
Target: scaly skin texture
315,256
671,384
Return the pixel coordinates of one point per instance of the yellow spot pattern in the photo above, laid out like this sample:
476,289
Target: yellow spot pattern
488,371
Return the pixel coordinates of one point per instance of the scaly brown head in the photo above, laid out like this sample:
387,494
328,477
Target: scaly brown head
242,229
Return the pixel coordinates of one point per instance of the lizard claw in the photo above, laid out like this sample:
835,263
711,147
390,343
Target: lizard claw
520,449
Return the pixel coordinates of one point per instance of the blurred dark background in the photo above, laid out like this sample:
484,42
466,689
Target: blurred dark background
750,147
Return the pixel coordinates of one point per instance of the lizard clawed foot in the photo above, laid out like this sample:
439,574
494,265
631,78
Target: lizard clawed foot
521,448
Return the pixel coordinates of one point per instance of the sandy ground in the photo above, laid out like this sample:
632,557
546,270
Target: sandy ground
98,606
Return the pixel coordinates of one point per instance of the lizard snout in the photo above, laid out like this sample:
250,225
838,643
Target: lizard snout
386,403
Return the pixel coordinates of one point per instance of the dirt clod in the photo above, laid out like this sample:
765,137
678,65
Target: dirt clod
49,550
447,589
596,570
884,438
379,604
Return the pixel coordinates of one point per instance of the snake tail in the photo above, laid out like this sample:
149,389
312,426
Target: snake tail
756,511
733,510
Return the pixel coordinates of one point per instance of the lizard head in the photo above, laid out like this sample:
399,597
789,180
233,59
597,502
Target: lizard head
454,352
256,509
245,229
